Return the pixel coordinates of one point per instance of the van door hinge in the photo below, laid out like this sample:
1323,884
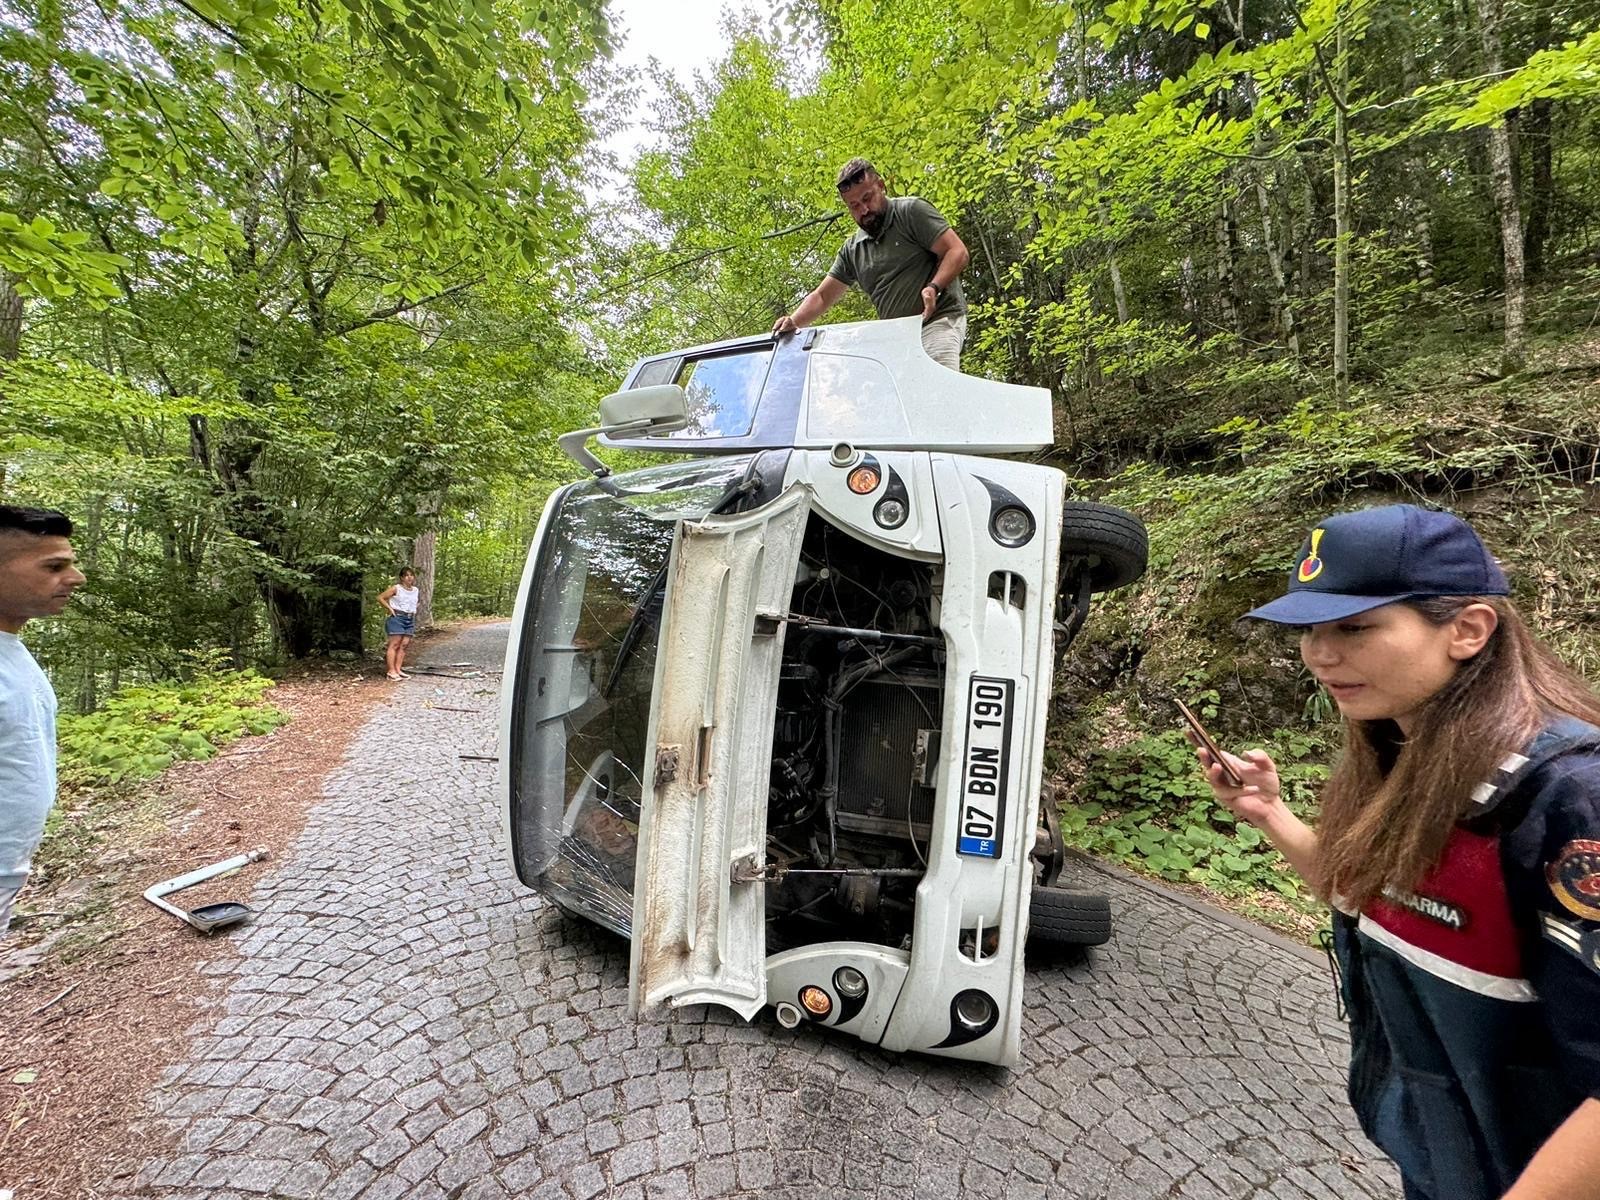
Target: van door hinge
667,758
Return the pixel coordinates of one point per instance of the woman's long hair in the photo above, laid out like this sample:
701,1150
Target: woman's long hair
1391,802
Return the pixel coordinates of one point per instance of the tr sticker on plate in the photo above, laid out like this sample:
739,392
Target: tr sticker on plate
985,769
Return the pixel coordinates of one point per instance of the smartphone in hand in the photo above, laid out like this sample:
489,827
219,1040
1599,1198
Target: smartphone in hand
1206,740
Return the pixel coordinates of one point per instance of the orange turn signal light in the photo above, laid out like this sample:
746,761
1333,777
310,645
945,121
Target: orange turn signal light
864,480
815,1001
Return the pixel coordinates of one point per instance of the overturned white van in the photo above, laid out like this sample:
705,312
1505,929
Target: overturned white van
776,713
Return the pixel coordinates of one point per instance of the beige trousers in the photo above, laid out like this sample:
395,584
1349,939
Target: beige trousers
942,338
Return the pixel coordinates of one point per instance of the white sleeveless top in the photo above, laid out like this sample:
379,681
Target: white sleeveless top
404,599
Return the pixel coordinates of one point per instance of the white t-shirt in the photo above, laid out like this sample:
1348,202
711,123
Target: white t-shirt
27,758
404,599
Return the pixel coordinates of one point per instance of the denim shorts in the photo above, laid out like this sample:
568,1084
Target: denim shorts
401,625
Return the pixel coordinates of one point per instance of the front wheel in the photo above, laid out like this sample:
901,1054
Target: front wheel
1058,917
1109,543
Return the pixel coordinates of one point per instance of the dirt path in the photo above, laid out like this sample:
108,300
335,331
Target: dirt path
103,997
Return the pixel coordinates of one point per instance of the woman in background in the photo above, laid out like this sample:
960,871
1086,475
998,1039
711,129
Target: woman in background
399,600
1459,845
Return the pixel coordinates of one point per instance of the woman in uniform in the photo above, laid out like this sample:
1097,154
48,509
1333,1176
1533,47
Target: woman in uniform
1459,844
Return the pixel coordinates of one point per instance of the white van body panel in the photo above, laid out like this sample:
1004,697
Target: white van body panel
698,936
918,538
871,384
985,638
867,384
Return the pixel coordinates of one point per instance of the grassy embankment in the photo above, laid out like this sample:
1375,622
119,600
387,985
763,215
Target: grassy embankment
1227,499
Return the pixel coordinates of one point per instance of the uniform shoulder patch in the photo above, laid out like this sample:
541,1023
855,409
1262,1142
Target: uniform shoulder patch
1574,878
1583,944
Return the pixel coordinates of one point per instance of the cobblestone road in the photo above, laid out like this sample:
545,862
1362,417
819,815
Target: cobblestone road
405,1020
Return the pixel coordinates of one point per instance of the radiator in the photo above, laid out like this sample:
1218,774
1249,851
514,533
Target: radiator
889,754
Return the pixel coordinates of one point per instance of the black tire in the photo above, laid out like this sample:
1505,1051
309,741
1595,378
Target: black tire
1058,917
1111,543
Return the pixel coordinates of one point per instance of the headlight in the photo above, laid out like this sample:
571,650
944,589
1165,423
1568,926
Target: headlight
891,512
1011,525
851,983
974,1010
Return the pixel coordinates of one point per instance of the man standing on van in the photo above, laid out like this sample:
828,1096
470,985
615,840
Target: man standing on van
905,257
37,577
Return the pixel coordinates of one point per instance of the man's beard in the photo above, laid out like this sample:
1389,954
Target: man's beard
872,223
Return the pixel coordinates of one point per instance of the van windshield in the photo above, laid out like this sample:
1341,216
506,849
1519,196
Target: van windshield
584,677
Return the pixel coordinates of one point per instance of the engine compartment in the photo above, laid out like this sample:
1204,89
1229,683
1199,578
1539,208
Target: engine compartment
855,745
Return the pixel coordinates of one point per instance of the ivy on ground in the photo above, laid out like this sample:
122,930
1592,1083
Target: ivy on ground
1145,804
144,730
106,756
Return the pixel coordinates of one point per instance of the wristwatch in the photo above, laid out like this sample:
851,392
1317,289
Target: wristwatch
939,291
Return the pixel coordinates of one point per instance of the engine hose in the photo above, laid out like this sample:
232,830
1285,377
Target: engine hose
830,784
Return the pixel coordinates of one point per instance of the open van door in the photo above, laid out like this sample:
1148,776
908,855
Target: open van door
698,936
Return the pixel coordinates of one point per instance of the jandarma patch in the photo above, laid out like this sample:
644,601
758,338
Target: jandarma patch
1312,566
1574,878
1441,911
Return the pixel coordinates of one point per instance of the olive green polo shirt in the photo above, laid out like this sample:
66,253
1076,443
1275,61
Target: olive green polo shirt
894,267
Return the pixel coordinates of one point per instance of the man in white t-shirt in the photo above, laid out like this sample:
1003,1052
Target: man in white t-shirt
37,577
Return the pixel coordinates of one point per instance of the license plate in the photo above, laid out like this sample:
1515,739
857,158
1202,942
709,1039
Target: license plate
986,767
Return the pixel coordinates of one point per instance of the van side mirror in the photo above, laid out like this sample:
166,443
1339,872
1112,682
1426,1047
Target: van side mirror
662,408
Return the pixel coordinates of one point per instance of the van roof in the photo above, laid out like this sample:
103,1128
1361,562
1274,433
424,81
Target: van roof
867,383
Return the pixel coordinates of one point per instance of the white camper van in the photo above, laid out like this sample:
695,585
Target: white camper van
775,712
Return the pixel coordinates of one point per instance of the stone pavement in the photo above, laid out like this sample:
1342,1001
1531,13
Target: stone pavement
405,1020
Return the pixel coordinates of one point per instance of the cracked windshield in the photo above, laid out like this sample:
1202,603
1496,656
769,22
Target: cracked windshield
584,714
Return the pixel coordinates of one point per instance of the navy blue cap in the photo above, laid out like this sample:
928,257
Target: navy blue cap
1362,560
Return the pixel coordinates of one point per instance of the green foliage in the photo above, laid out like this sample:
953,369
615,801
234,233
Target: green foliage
337,239
54,263
1147,804
1570,71
141,731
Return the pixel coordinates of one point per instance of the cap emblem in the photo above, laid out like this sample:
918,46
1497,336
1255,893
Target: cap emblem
1574,878
1312,566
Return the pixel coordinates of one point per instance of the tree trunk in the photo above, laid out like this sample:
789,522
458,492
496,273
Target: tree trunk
87,539
1223,233
10,319
318,617
1341,220
1118,292
1311,228
10,336
423,554
1535,132
1421,223
1284,313
1419,189
1513,354
422,562
1186,287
